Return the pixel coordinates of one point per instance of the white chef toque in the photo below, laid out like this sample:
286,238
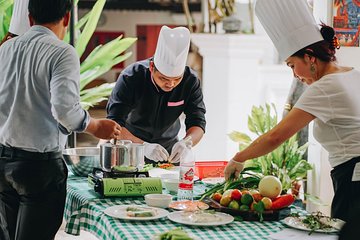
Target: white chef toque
172,50
19,22
289,24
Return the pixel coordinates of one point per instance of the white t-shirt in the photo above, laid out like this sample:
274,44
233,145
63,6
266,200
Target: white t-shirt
335,102
19,23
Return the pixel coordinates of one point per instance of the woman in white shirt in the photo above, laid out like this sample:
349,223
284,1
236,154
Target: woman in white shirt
332,100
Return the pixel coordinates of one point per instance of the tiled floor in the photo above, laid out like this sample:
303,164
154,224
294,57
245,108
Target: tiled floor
61,235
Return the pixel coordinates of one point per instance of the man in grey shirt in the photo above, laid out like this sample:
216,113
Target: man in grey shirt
39,89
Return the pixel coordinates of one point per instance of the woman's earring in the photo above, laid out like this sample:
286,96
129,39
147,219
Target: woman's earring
312,69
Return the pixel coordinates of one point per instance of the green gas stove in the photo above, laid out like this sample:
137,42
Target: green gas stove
123,184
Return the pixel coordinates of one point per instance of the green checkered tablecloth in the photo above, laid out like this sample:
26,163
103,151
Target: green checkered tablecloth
84,210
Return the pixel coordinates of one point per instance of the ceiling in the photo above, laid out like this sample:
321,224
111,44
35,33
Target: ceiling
159,5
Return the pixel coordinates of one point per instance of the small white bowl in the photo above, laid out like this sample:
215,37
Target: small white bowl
158,200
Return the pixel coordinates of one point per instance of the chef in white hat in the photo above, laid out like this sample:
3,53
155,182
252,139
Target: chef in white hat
332,98
150,96
19,22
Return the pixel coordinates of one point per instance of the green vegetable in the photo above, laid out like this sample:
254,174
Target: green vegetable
259,209
246,180
316,221
141,214
175,234
146,168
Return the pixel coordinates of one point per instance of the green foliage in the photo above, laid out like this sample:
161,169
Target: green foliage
99,61
5,16
286,162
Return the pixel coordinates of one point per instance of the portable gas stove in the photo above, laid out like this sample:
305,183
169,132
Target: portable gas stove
123,184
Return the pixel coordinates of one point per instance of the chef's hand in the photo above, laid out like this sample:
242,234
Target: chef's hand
155,152
233,167
179,149
104,128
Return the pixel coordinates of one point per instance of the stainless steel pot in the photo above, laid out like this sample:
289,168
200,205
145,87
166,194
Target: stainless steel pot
123,155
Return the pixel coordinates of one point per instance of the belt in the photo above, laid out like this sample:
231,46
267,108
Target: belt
11,152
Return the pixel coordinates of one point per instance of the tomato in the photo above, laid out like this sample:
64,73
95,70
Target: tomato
253,191
217,196
225,200
267,202
257,196
236,194
227,192
245,192
252,206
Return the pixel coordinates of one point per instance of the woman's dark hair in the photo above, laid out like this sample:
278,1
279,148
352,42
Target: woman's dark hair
325,49
48,11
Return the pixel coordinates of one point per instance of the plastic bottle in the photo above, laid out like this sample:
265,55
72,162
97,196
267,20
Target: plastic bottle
186,176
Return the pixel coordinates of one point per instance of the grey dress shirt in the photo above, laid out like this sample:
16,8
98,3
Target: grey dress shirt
39,91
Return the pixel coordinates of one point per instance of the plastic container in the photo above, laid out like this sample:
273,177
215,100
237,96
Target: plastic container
206,169
186,177
171,182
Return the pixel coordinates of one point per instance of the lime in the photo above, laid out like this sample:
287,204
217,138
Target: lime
244,208
247,199
234,205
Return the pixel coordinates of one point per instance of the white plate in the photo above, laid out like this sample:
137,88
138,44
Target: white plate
119,211
179,217
296,222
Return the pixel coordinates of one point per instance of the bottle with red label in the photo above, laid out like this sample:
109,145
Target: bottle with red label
186,176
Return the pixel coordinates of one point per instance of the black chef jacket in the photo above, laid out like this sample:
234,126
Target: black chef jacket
151,114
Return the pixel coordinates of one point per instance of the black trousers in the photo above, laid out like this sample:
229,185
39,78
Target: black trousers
346,201
32,194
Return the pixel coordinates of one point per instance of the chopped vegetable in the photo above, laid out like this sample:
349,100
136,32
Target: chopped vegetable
141,214
175,234
317,221
165,165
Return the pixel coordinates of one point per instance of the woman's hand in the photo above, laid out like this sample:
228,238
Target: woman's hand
233,167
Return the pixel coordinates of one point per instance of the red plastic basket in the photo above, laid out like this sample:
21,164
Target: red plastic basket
205,169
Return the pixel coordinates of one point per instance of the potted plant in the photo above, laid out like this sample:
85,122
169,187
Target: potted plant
99,61
286,162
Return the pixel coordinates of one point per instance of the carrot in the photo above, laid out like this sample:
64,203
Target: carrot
165,165
282,201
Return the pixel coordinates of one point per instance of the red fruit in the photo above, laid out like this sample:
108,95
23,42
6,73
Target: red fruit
257,197
245,192
282,201
236,194
217,196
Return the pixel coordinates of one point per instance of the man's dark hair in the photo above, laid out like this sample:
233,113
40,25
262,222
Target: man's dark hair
48,11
